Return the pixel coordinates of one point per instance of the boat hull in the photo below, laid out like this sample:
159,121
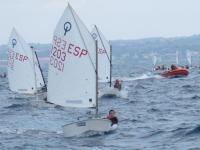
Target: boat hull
109,92
95,125
175,73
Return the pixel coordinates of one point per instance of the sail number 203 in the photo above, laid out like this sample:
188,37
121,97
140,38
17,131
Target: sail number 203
57,58
62,49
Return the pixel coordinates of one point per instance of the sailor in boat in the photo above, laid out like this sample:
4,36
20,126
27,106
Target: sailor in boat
163,67
160,67
157,68
173,67
3,75
117,84
186,67
113,118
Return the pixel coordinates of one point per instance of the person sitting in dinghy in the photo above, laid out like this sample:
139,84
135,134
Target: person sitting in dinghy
3,75
186,67
112,117
117,85
173,67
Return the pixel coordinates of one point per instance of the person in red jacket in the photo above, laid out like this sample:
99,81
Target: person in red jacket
112,117
173,67
117,84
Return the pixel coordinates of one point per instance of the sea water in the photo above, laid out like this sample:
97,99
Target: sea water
159,113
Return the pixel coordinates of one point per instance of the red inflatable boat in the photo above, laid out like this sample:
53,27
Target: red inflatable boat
179,72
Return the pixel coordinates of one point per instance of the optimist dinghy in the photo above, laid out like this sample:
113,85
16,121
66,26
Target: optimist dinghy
73,73
24,73
105,64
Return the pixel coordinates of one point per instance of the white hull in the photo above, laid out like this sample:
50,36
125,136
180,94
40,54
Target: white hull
109,92
95,125
113,92
42,95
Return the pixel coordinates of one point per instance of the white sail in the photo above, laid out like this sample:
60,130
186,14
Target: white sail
72,77
103,55
177,60
39,77
21,75
154,58
189,57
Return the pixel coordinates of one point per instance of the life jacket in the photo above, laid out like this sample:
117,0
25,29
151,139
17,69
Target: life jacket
113,119
109,117
117,84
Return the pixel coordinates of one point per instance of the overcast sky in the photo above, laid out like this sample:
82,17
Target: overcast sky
35,20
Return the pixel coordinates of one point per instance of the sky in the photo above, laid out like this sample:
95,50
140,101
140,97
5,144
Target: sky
35,20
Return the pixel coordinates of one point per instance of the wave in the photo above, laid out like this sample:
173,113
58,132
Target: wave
180,129
139,77
186,86
16,97
139,86
153,133
28,131
179,132
153,110
195,97
59,107
14,106
194,131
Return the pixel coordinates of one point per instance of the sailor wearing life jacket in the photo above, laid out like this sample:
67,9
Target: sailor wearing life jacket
112,117
117,84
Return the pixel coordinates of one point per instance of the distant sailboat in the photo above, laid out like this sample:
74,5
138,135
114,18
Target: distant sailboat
154,59
104,56
105,64
189,58
73,72
24,74
177,58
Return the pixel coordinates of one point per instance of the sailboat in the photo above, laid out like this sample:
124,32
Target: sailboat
105,64
104,56
154,59
73,73
24,74
177,58
189,58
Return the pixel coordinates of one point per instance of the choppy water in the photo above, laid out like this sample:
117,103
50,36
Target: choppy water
159,114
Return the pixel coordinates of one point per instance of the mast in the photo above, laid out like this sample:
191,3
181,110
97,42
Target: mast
33,52
97,105
109,59
39,66
110,65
